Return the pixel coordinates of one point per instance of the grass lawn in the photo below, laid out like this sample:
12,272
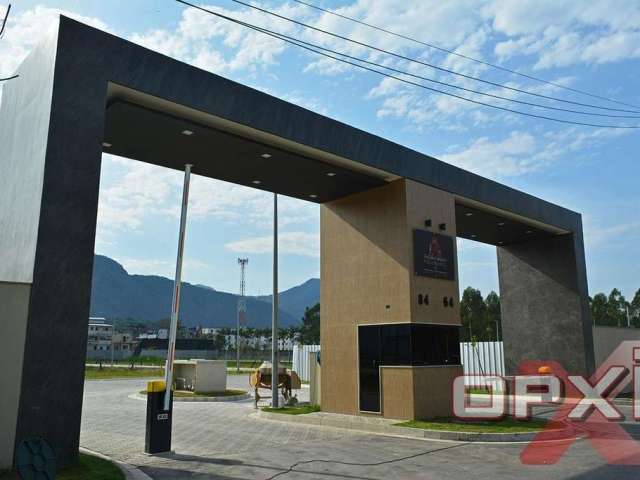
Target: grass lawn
94,373
87,468
506,425
482,391
227,393
235,372
146,360
252,364
299,410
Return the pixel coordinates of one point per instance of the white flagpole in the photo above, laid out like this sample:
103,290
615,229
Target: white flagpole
175,304
274,314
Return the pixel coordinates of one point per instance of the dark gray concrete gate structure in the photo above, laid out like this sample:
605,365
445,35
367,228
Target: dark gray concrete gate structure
84,92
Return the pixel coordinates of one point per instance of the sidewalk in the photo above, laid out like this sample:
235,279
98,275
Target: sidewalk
386,426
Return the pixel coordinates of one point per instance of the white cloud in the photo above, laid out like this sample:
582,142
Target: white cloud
218,45
566,32
509,157
293,243
134,191
595,235
138,191
163,268
26,29
614,47
546,33
521,152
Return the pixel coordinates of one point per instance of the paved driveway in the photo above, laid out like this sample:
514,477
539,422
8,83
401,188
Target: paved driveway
221,441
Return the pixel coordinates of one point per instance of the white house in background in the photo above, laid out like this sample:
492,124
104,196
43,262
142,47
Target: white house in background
210,331
100,334
262,343
124,342
147,336
160,334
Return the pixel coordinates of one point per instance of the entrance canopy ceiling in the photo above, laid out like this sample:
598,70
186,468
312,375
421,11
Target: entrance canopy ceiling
497,228
162,111
144,134
143,128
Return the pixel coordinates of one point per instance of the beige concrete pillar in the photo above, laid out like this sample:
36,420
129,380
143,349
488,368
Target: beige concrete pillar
368,277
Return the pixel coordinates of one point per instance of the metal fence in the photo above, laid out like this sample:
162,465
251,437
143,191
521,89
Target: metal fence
301,360
481,358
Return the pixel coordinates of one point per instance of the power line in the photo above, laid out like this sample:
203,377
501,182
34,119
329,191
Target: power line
453,52
311,49
283,36
404,57
4,22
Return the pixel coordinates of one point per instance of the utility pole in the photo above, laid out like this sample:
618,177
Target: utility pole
242,309
113,330
274,311
175,304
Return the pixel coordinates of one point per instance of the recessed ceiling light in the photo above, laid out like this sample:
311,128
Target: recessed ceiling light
106,144
468,214
529,231
266,155
187,132
331,174
256,182
501,224
313,196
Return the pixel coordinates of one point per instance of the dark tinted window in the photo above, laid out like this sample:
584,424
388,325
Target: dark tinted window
396,344
401,344
435,344
370,352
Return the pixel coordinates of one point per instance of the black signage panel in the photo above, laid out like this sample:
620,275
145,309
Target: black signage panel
433,255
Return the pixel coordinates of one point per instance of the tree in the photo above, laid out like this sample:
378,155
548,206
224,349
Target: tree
634,310
617,308
600,309
494,316
289,333
310,329
473,313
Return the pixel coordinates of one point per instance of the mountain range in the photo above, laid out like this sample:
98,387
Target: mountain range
117,294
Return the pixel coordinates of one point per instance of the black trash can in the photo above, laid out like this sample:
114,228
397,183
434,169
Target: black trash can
158,433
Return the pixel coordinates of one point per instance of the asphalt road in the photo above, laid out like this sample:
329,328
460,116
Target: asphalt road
221,441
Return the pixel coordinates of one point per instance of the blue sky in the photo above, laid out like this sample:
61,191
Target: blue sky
592,46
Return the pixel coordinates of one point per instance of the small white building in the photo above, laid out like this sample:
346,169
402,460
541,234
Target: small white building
125,343
100,335
148,336
206,331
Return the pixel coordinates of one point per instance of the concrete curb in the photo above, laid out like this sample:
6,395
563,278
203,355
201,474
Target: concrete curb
387,428
231,398
130,472
615,401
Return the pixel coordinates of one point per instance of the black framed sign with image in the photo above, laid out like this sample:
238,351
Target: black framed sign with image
433,255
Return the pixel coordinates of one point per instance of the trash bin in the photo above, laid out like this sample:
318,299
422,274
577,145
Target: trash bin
158,433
